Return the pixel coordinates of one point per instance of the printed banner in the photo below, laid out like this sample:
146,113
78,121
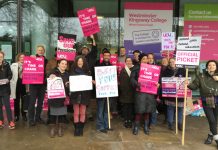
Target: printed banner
189,43
80,83
113,59
88,21
144,23
55,88
174,86
202,20
148,78
65,47
190,58
106,81
168,41
33,70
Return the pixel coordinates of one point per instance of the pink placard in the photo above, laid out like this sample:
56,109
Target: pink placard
55,88
33,70
88,21
65,47
113,59
148,78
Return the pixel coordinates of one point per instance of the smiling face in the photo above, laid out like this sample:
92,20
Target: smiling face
80,63
85,51
144,60
40,51
62,65
211,67
172,63
129,62
106,57
21,58
150,58
136,56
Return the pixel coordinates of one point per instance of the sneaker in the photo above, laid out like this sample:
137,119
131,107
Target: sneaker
1,124
11,125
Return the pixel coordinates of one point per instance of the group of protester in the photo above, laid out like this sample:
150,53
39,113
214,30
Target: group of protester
136,107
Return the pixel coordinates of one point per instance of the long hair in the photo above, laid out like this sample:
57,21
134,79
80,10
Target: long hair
85,65
18,56
214,61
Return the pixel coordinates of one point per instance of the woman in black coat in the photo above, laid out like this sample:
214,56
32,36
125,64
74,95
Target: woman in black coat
79,99
5,91
144,103
58,110
126,93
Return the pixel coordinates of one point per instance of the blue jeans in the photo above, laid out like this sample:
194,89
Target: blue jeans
153,118
102,114
170,114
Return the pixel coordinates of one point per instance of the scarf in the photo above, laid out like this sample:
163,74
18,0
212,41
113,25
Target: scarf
128,71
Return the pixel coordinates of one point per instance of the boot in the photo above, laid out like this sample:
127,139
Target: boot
81,126
76,131
146,130
52,130
180,126
135,130
209,139
60,129
129,125
125,124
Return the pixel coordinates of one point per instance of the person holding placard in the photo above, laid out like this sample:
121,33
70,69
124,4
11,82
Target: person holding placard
37,91
207,82
127,100
173,71
58,110
144,102
18,90
5,77
79,99
102,112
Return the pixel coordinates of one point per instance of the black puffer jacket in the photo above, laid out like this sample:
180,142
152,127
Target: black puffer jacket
80,97
5,73
65,77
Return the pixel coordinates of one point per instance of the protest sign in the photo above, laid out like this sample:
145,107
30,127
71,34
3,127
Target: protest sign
80,83
88,21
33,70
148,78
55,88
65,47
106,81
168,41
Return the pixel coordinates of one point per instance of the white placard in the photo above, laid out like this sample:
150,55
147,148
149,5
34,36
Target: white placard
190,58
80,83
168,41
189,43
106,81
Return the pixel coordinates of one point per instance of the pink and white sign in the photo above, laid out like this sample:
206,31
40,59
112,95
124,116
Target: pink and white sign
113,59
33,70
168,41
190,58
55,88
120,66
65,46
174,86
148,78
88,21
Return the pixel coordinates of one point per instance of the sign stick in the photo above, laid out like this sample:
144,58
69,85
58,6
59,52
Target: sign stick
108,108
184,110
176,115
